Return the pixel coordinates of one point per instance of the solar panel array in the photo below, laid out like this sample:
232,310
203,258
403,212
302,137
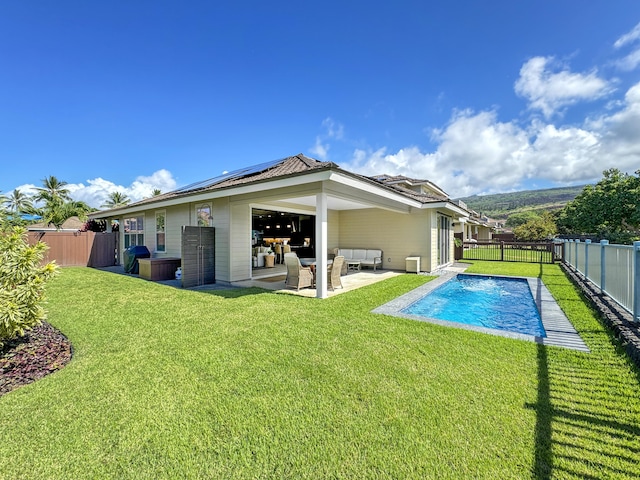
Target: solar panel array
242,172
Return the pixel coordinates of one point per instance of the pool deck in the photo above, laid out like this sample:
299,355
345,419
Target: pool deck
560,332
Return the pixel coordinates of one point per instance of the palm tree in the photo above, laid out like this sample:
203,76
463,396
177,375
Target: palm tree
156,192
115,200
53,189
56,212
18,202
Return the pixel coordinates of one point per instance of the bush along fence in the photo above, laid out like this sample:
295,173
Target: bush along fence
614,269
544,252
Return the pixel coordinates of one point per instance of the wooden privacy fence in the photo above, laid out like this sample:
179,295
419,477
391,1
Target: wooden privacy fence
86,249
546,252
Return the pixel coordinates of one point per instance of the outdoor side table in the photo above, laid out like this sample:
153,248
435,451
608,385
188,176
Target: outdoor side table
353,265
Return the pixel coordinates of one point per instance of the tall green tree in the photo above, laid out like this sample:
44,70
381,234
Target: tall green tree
156,192
520,218
537,229
53,190
18,202
57,212
610,208
57,204
115,200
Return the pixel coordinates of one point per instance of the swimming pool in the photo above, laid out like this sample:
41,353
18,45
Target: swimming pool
484,301
556,326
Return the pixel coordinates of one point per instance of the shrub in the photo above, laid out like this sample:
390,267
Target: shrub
22,283
94,226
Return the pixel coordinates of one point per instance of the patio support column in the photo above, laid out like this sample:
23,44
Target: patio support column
321,244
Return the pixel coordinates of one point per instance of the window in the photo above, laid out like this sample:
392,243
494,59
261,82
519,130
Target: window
203,215
161,245
133,231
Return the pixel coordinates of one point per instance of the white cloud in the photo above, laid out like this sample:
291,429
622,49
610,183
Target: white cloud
630,62
320,150
549,90
96,191
629,37
333,131
476,153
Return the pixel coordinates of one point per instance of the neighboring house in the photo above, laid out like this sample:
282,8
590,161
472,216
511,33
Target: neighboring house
313,206
474,227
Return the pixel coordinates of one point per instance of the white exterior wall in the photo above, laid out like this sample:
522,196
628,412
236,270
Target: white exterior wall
240,243
175,218
397,235
221,221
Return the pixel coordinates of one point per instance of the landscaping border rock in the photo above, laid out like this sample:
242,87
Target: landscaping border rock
613,315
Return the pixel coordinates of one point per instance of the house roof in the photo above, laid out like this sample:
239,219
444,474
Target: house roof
288,167
71,223
398,182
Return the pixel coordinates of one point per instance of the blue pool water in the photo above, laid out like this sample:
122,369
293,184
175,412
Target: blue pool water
492,302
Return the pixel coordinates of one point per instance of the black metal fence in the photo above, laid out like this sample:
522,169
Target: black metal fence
546,252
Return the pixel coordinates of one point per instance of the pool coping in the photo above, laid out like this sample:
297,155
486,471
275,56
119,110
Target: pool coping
560,331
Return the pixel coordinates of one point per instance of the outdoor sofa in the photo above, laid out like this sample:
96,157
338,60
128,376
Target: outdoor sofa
368,257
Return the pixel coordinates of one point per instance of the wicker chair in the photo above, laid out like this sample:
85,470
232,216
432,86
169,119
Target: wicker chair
286,248
297,275
334,272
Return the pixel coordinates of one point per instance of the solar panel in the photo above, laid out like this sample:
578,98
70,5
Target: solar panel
242,172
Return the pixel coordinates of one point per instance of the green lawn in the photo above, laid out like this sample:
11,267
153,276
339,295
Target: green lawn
253,384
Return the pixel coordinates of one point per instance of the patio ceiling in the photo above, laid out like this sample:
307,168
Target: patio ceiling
333,203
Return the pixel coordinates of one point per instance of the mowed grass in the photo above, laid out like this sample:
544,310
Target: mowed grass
248,383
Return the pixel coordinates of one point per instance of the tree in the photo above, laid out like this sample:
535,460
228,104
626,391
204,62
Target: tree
610,208
538,229
517,219
58,205
56,212
52,190
115,200
22,283
156,192
18,202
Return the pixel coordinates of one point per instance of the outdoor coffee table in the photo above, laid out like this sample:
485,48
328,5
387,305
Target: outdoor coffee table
353,265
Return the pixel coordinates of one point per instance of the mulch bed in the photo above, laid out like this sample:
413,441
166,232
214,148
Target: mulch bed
41,351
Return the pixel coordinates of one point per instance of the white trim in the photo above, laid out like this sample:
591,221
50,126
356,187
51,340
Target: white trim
162,212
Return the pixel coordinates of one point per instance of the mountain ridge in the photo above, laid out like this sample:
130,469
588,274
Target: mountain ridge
501,205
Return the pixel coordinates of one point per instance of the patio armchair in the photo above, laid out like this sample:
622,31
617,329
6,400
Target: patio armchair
334,272
297,275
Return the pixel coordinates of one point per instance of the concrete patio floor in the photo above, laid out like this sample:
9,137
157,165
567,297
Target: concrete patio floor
273,279
351,281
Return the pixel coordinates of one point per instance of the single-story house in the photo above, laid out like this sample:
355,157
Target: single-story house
311,205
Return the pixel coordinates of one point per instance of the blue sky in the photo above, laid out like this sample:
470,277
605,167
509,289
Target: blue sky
478,97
